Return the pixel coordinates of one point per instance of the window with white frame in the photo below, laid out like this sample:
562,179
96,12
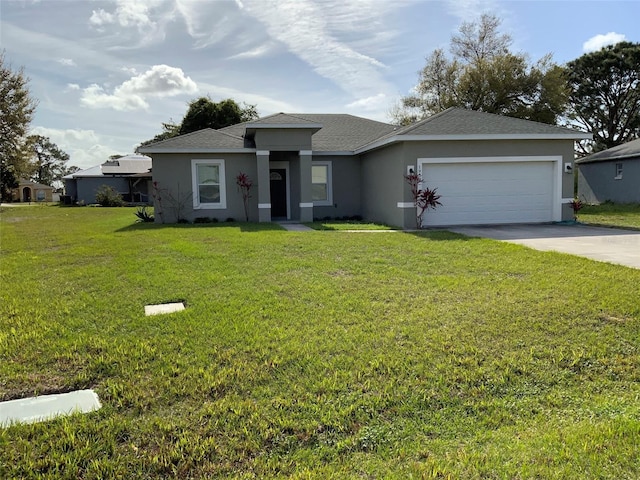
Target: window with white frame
208,184
321,191
618,171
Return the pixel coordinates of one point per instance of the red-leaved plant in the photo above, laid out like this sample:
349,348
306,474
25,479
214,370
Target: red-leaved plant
423,198
576,206
244,185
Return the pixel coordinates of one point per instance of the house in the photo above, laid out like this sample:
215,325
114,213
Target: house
611,175
29,191
488,168
129,175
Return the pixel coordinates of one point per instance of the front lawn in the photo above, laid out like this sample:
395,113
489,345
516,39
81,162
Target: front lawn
612,214
313,354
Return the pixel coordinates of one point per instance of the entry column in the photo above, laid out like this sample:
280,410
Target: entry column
264,189
306,200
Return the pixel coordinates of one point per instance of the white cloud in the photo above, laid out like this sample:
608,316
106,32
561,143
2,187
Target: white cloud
73,86
100,17
259,51
67,62
211,23
85,147
372,103
159,81
468,10
148,17
599,41
316,33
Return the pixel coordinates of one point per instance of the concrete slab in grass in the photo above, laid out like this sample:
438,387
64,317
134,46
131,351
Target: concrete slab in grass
46,407
163,308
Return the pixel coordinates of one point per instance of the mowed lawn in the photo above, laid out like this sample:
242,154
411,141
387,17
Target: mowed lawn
320,354
612,214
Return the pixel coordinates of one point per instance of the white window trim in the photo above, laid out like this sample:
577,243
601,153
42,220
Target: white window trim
329,201
194,182
618,171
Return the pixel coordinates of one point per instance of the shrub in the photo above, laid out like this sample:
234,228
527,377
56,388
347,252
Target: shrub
107,196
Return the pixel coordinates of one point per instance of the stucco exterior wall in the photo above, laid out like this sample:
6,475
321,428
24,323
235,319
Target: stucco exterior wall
597,182
172,172
383,185
283,139
346,185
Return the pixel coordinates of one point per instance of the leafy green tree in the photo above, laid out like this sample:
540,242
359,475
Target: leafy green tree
48,161
605,95
169,130
16,111
204,113
483,74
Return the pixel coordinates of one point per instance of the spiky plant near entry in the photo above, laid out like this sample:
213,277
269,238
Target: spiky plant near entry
576,206
423,198
244,186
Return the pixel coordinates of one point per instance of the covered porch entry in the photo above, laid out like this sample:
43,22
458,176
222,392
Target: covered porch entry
284,186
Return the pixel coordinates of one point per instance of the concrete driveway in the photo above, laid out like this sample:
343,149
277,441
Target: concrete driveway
612,245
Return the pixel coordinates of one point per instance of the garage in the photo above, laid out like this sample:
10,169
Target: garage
493,190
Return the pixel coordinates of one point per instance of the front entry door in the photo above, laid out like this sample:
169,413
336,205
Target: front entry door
278,181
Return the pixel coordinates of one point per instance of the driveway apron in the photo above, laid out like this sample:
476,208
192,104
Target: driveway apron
612,245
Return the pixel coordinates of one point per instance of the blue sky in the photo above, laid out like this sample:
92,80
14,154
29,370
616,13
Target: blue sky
108,73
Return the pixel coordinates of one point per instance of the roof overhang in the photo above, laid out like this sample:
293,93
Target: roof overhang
635,156
199,150
469,137
277,126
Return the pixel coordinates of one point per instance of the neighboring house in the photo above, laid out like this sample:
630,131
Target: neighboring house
130,176
611,175
488,168
29,191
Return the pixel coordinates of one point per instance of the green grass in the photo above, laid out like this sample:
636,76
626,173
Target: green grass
313,354
612,214
347,225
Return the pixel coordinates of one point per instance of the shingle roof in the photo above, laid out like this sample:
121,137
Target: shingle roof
348,133
281,119
23,181
339,133
458,121
619,152
202,139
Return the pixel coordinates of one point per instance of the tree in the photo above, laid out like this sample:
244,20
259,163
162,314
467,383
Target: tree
169,130
48,161
605,95
204,113
16,111
484,75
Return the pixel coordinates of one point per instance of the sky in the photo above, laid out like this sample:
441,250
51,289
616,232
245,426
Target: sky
107,73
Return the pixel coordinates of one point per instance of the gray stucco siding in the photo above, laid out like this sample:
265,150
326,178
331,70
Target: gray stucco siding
597,182
172,175
345,185
383,185
283,139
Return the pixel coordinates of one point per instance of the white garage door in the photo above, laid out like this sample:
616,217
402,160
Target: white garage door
490,192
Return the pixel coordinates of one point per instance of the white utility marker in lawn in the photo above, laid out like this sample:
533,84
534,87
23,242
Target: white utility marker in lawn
163,308
46,407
